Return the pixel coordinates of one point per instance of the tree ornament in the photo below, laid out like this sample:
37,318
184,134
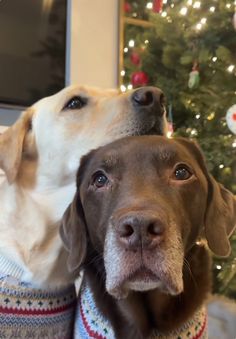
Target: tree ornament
157,6
234,20
139,78
170,125
135,58
194,77
231,119
127,7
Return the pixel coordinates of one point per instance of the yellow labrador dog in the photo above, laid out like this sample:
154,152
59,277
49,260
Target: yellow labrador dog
40,155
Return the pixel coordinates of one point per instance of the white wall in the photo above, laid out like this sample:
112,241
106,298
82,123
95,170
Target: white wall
92,47
95,42
2,175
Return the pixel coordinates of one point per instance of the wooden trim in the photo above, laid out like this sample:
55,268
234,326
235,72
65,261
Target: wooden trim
138,22
121,39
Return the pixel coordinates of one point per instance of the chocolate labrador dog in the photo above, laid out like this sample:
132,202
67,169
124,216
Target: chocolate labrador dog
142,204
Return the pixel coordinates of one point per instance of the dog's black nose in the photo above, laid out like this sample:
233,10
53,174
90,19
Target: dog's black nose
146,96
140,231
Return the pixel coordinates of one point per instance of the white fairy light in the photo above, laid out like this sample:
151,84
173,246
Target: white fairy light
230,69
197,4
122,73
131,43
149,5
126,49
221,166
146,42
130,86
212,9
122,88
184,11
198,116
218,267
199,26
203,21
228,5
214,59
234,144
172,5
189,2
193,132
165,1
164,14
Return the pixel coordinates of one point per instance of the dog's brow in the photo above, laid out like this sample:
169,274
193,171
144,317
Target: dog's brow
110,162
164,154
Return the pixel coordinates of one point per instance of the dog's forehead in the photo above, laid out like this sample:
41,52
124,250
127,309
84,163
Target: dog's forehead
141,150
88,91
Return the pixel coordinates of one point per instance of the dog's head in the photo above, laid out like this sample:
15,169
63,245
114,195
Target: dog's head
141,204
53,134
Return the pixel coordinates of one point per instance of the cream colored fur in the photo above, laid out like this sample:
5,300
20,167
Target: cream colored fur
40,155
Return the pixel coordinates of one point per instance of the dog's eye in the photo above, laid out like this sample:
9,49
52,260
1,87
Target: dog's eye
99,179
76,103
182,173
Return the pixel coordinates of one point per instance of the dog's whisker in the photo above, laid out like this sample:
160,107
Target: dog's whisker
95,260
187,265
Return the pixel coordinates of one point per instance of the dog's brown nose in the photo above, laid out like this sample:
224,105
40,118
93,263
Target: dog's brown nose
147,96
140,231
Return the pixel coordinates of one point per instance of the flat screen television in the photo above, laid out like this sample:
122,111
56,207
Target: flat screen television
32,50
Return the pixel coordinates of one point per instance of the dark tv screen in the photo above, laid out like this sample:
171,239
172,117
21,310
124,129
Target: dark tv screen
32,50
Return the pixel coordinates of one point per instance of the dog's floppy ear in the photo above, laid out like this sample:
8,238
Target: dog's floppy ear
220,220
220,217
11,145
73,234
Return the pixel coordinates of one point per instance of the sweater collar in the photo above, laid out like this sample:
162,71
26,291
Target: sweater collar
90,322
9,268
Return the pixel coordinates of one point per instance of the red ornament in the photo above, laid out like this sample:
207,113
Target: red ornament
139,78
170,129
135,58
157,6
234,116
127,7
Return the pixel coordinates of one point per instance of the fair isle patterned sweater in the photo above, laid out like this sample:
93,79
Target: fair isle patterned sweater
90,323
29,313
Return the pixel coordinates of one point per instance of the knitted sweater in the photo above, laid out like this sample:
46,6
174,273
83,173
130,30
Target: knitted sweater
90,323
26,312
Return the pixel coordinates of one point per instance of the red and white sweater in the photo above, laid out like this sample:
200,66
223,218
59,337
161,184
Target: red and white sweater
27,312
90,323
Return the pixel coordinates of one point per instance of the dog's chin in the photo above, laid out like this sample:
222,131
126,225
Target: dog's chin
155,126
143,285
155,129
143,281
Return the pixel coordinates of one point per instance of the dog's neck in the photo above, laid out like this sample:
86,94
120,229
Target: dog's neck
29,225
53,201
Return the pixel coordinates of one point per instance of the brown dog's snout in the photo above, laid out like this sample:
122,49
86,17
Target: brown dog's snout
136,232
147,96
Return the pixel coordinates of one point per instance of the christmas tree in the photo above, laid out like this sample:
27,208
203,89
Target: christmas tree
188,49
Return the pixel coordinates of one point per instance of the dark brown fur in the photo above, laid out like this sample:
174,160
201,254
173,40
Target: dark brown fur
141,175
